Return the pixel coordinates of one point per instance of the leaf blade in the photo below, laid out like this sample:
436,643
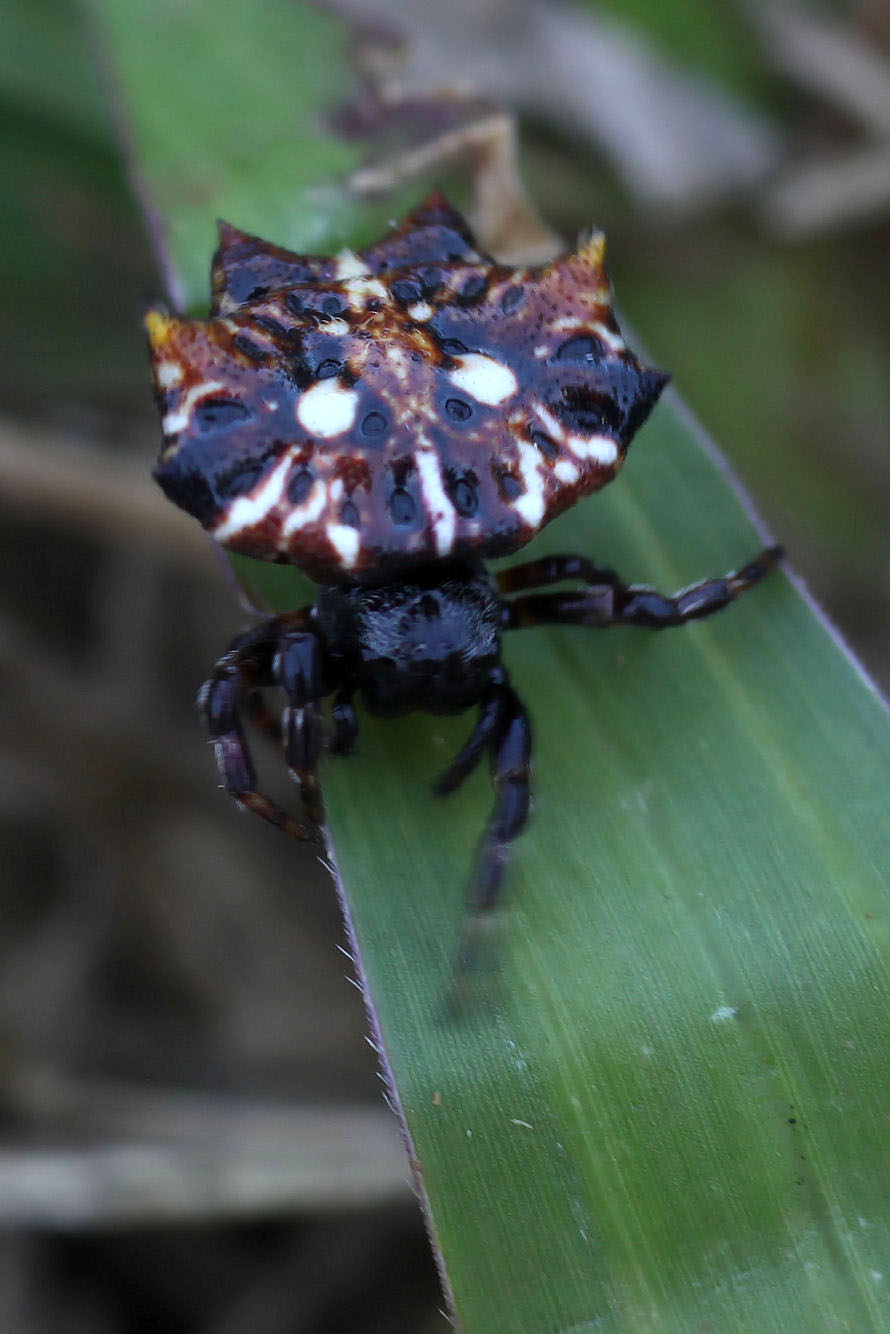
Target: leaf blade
698,923
658,914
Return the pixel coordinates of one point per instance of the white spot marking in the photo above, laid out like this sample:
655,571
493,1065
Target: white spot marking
439,508
565,471
327,408
366,286
336,489
530,506
876,1275
346,541
253,508
350,266
602,448
310,509
421,311
331,325
515,1121
396,361
169,373
483,378
542,350
179,419
647,1051
723,1014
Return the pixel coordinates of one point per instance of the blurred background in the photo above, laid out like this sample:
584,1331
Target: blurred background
193,1132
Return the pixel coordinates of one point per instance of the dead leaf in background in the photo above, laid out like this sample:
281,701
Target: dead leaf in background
676,139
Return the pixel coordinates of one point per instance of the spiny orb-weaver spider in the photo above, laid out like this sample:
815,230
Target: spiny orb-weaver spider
387,421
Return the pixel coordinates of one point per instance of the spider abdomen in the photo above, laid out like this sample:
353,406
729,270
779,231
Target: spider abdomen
364,416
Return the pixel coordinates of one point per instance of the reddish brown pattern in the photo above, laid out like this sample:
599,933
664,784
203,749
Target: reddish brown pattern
359,415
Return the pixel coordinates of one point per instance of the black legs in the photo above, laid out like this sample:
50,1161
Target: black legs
283,653
606,600
503,730
288,652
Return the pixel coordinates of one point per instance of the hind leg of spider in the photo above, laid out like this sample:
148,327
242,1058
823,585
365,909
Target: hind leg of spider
245,667
616,603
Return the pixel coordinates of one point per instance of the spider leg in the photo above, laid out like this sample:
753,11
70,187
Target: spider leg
510,757
297,668
267,719
483,734
343,716
246,665
616,603
552,570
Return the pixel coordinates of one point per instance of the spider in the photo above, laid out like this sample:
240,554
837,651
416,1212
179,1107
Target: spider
387,421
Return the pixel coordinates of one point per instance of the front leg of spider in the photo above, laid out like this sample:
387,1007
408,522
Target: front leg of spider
274,653
297,669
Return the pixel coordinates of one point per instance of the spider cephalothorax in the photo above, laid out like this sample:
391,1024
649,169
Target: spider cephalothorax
386,421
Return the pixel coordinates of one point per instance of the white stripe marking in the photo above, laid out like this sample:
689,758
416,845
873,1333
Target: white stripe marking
612,340
310,509
554,427
530,506
179,419
251,509
440,510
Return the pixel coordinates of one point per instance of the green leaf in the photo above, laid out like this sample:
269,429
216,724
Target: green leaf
672,1113
230,110
67,222
664,1103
